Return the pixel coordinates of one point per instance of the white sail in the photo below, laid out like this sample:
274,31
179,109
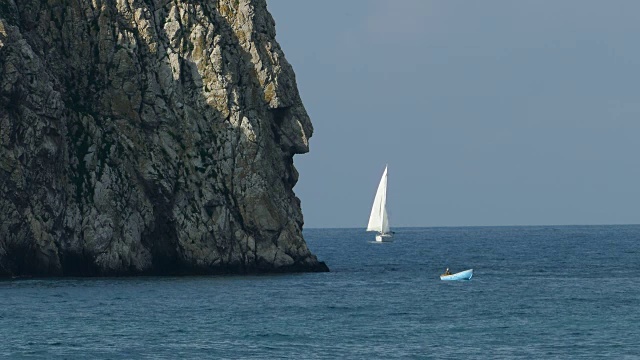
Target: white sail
378,220
385,218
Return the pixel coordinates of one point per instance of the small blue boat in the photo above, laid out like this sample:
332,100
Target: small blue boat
462,275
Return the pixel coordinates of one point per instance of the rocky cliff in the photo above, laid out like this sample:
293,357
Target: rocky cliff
147,137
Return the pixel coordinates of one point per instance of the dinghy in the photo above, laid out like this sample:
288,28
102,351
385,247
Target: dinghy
462,275
378,220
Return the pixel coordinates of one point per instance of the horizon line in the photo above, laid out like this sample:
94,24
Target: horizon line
471,226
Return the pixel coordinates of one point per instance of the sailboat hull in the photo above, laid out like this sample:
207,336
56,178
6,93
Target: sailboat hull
462,275
384,238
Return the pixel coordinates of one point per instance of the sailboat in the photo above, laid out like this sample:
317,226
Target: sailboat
379,221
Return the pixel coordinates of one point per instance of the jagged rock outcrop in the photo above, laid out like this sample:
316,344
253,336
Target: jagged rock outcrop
147,137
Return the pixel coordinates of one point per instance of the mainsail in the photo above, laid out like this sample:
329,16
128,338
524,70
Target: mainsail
379,221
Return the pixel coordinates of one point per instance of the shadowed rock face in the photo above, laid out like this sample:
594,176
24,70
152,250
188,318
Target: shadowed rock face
147,137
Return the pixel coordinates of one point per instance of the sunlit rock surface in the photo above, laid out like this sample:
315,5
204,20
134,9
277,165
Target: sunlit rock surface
148,137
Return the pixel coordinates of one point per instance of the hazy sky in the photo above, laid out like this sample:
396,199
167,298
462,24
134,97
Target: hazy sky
487,112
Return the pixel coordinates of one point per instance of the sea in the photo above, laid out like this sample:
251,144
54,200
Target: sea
539,292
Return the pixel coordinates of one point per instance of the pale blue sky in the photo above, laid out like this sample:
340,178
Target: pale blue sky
487,112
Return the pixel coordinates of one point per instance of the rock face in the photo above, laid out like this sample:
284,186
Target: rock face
147,137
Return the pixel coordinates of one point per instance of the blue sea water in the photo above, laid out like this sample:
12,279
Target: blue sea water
544,292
